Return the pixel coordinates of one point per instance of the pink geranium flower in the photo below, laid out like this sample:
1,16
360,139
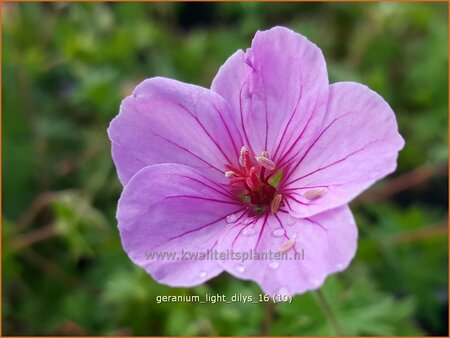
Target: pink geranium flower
266,160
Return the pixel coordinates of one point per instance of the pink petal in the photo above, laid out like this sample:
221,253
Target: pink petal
277,89
328,242
166,121
167,208
358,145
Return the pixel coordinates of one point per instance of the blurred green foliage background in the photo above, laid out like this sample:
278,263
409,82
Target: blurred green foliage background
66,67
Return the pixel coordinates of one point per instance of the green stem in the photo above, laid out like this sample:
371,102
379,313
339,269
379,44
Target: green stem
329,314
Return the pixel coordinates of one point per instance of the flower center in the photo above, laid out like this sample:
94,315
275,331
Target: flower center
256,181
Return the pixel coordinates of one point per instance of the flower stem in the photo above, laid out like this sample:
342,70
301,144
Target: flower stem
269,309
328,311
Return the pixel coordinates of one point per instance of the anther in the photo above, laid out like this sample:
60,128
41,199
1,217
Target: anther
275,204
314,194
288,245
243,157
265,161
230,174
251,177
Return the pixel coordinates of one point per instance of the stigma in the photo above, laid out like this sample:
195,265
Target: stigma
252,183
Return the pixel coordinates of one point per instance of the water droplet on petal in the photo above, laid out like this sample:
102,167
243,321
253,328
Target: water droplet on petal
248,232
278,232
316,282
203,274
248,220
339,265
231,218
274,265
240,268
283,291
291,220
282,295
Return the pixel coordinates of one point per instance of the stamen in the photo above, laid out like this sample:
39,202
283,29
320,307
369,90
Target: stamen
275,204
256,190
241,156
235,180
265,161
287,246
314,194
251,183
233,169
230,174
244,158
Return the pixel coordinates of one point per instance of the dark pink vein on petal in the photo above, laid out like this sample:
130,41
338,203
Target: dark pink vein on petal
242,115
289,122
304,128
262,231
222,191
309,148
201,198
265,110
195,117
316,223
228,131
177,145
331,164
134,156
242,229
237,220
197,229
306,187
332,122
286,152
292,197
188,151
288,205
